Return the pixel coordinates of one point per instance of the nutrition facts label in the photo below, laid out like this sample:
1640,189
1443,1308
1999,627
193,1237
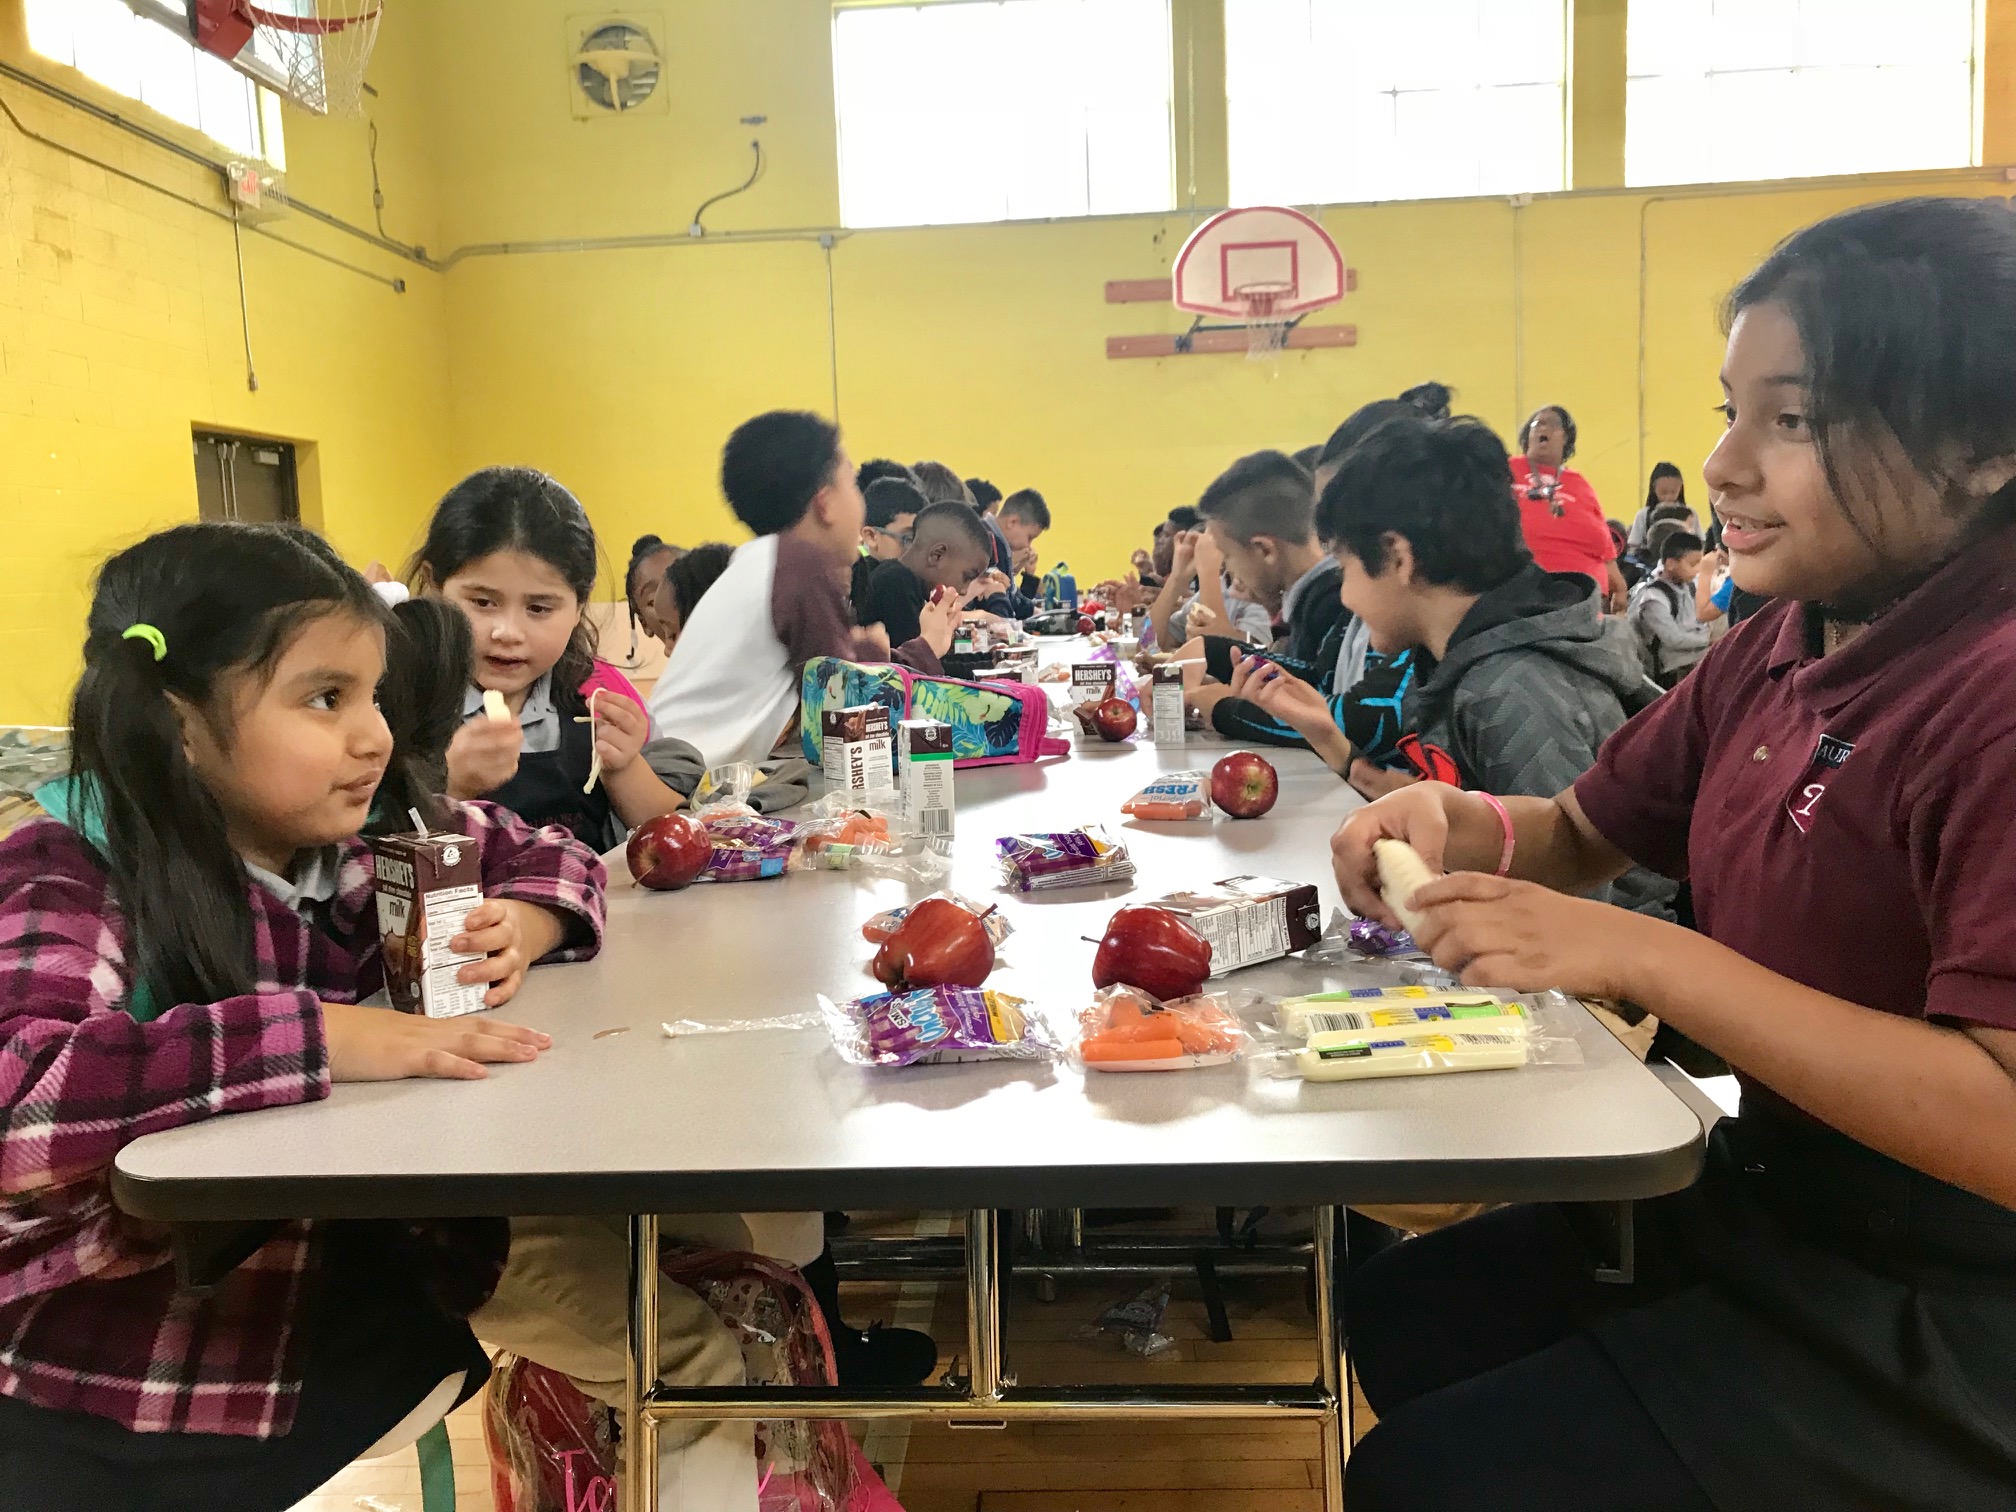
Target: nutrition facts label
442,995
1245,934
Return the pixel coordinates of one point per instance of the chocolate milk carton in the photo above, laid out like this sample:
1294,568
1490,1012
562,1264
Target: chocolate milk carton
857,754
1092,682
427,886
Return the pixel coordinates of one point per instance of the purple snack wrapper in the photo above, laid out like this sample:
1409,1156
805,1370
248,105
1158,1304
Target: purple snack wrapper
1370,937
936,1025
748,847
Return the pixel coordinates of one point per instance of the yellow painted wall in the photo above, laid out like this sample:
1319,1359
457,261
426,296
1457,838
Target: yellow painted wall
119,330
623,371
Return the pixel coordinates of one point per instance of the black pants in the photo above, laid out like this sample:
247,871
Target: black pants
376,1348
1466,1343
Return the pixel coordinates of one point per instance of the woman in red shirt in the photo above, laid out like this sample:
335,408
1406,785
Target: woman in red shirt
1826,1319
1564,525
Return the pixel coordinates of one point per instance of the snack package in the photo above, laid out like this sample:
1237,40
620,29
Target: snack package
1354,1057
747,846
843,840
1402,1013
1136,1323
883,925
1347,938
1074,858
1174,795
1126,1030
936,1026
726,787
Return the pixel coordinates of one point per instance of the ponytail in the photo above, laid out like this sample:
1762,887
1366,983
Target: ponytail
222,599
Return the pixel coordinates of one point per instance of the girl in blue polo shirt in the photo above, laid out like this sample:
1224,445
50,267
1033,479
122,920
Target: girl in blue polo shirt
1827,1318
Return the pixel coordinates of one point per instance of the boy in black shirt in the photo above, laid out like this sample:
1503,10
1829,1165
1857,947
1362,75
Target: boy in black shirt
949,547
892,506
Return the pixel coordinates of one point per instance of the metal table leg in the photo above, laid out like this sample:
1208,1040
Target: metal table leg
983,1307
640,1368
1332,1363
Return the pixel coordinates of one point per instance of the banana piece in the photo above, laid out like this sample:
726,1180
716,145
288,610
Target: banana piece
494,706
1402,873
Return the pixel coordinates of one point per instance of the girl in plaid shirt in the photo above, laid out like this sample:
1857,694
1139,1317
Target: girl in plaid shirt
191,933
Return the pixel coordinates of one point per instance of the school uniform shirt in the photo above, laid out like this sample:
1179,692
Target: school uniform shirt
732,680
1577,538
1668,623
91,1317
896,600
1844,821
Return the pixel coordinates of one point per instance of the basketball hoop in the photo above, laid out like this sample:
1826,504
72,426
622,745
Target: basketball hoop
320,46
1266,330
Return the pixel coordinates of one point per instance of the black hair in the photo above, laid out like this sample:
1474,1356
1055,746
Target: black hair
775,464
878,468
1361,423
430,656
1431,398
1664,470
1567,429
985,494
1184,517
940,484
1309,456
947,520
1679,544
890,497
517,509
228,600
1027,504
693,574
1439,484
1906,312
1264,494
642,550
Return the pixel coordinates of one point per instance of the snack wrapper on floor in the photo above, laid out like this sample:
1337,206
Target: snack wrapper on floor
937,1026
1174,795
1072,858
1136,1323
883,924
1127,1030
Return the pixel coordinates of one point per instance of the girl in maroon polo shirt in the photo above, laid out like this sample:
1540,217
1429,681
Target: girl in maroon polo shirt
1827,1318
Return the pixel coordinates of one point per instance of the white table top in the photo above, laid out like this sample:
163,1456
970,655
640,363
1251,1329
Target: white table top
774,1120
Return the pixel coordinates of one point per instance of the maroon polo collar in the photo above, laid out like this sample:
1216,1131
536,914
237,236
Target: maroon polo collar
1977,585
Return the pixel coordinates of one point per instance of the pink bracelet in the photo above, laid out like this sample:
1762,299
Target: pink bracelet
1505,822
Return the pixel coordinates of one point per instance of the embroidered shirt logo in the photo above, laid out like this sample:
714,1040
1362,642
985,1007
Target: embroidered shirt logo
1828,757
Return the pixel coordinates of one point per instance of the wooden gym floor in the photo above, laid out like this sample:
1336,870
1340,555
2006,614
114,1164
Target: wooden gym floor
1183,1466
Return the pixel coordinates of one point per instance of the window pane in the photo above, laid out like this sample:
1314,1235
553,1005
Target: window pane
149,61
1332,100
1005,110
1754,89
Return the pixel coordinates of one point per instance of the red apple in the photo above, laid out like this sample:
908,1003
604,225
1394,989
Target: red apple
669,851
1155,950
1244,785
937,944
1115,719
1084,624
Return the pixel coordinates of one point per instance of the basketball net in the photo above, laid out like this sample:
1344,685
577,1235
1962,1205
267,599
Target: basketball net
323,49
1266,332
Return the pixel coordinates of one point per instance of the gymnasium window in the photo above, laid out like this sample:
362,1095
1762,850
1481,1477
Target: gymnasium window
1332,101
150,58
1724,90
990,110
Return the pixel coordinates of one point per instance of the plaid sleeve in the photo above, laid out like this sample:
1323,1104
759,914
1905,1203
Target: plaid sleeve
79,1078
548,867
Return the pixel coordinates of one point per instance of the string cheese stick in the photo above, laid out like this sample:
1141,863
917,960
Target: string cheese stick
494,705
1402,873
595,763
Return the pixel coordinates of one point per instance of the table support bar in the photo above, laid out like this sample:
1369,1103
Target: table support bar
640,1367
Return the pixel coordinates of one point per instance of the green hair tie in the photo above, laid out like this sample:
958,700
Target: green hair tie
150,635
